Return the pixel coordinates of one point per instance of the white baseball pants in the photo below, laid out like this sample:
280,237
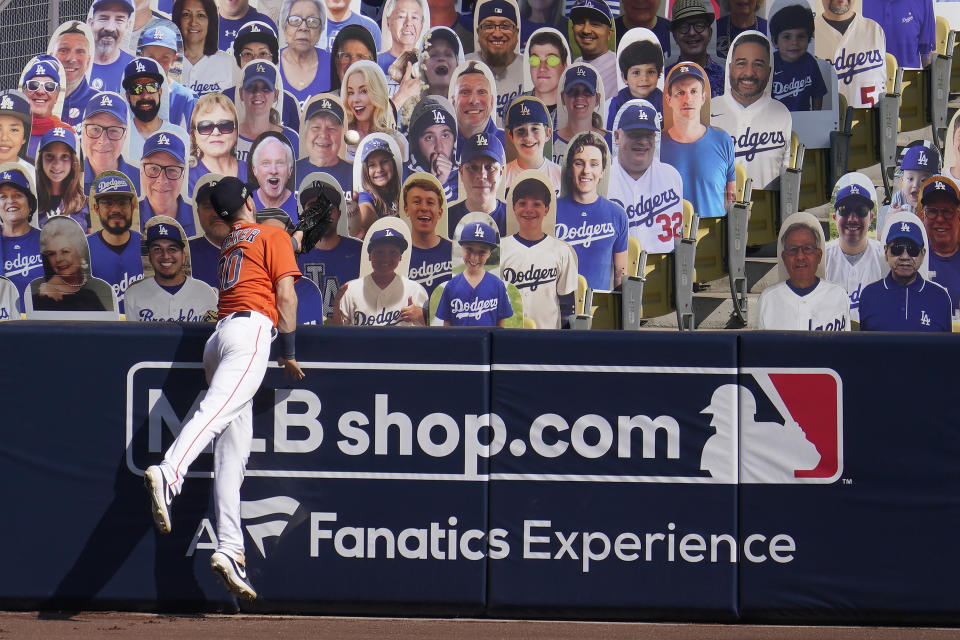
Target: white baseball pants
235,360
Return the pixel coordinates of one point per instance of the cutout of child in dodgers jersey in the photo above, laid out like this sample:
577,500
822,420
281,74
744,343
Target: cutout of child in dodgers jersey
542,267
382,296
475,297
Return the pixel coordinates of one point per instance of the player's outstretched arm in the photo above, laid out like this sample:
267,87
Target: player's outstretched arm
287,310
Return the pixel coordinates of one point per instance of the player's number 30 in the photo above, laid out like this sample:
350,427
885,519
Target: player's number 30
228,269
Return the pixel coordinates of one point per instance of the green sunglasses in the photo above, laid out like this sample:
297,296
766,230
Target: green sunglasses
552,61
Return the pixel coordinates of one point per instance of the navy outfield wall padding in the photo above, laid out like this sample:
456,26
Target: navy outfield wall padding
517,444
875,544
603,450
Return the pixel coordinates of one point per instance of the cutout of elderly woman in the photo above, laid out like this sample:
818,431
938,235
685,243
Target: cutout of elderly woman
67,284
304,66
60,179
213,140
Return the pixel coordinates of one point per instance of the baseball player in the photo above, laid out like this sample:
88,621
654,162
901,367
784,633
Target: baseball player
759,125
170,294
854,260
904,300
335,260
542,267
803,301
857,49
431,254
20,242
383,298
650,191
257,297
475,297
115,249
595,227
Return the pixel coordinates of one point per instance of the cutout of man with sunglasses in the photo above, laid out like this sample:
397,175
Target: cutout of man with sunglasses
940,213
854,260
143,82
904,300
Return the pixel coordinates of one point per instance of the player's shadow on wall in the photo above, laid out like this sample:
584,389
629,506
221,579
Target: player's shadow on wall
121,528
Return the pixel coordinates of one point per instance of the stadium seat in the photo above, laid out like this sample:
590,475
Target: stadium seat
873,132
605,310
529,323
940,79
737,239
684,258
711,243
582,302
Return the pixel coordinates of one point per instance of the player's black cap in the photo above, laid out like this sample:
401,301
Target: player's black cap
229,195
314,190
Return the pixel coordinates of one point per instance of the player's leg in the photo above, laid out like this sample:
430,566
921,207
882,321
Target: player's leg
237,353
230,453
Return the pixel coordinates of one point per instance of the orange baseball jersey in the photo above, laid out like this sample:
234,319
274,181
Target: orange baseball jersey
252,260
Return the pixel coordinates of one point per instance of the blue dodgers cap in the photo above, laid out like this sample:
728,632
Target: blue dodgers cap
126,4
580,74
920,158
686,70
164,231
160,36
636,117
853,193
141,68
526,111
497,9
43,65
58,134
113,182
478,232
374,144
592,8
18,179
165,141
13,103
107,102
387,236
228,195
905,231
324,106
482,144
260,70
940,185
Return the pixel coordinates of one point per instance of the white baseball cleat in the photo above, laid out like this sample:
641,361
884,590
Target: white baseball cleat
234,575
160,497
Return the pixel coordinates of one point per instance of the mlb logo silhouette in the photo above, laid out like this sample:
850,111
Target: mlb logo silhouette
790,428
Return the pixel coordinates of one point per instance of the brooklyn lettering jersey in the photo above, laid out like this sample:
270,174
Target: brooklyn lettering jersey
481,306
331,269
430,267
760,134
118,268
542,273
147,301
859,57
253,260
871,266
825,308
364,304
653,203
596,231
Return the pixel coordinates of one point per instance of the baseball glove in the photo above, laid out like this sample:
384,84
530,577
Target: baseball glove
318,216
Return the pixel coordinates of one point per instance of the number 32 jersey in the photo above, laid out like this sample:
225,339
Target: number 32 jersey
654,204
253,259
